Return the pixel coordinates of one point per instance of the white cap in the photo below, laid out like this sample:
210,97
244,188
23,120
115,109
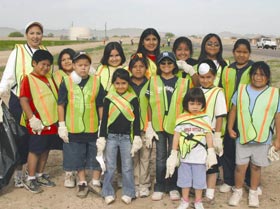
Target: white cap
28,25
203,68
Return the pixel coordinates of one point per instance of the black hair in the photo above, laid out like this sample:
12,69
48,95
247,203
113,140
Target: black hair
145,33
121,74
68,51
41,55
194,95
213,67
263,67
203,54
174,71
184,40
135,58
242,41
108,49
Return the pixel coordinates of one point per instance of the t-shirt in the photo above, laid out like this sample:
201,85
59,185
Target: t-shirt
137,88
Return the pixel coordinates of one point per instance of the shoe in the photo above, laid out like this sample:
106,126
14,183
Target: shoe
208,201
137,191
183,204
96,189
69,180
198,205
253,199
225,188
157,196
235,197
126,199
259,190
174,195
82,190
32,186
18,182
144,192
119,180
109,199
46,182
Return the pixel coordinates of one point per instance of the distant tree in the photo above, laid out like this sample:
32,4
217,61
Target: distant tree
50,35
169,35
15,34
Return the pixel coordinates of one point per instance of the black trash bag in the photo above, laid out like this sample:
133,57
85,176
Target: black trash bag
9,156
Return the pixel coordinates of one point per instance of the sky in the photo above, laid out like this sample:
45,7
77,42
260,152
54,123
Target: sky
181,17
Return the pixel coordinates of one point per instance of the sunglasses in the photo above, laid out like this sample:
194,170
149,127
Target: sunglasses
166,63
213,44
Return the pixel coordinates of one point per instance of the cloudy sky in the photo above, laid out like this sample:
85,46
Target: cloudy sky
181,17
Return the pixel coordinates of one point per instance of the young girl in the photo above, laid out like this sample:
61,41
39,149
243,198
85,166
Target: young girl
183,50
256,108
165,93
216,110
113,57
192,133
149,46
212,48
138,66
235,74
120,107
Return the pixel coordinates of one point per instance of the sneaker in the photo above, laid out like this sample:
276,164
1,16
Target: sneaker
144,192
18,182
183,205
225,188
96,189
109,199
208,201
174,195
235,197
32,186
46,182
259,190
126,199
69,180
198,205
82,191
157,196
253,198
119,180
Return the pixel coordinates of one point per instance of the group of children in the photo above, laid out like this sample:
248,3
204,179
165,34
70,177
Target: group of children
109,120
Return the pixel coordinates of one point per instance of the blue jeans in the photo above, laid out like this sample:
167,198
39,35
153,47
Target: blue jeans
121,141
163,149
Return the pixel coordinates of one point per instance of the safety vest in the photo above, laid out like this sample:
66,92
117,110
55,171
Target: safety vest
219,73
189,141
152,68
81,114
23,64
211,98
163,119
57,76
229,82
257,125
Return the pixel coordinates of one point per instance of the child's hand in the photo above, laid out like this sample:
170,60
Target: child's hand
36,125
171,163
232,133
211,158
272,154
63,132
136,145
100,144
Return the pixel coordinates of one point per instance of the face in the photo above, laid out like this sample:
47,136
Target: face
138,70
82,66
41,68
150,43
206,80
183,52
241,54
114,58
194,107
166,67
121,86
66,63
259,80
212,47
34,36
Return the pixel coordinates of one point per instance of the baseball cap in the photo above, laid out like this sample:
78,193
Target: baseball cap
168,55
80,55
28,25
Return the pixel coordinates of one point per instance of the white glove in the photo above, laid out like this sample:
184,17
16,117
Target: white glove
100,160
63,132
136,145
185,67
100,144
272,154
211,158
147,142
149,135
75,77
171,163
218,144
4,92
36,125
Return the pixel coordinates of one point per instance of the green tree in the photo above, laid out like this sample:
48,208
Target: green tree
169,35
15,34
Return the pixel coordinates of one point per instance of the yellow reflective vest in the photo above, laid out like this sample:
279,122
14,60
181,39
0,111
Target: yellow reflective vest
57,76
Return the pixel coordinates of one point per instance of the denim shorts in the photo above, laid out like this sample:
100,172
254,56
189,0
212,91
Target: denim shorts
40,143
79,156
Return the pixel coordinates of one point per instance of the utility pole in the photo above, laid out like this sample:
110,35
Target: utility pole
105,30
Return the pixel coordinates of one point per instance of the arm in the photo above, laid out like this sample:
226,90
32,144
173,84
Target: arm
24,102
195,80
276,142
176,137
231,121
61,112
209,140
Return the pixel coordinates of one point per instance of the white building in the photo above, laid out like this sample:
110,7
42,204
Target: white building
79,33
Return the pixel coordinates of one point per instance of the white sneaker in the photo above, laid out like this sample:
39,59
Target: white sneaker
183,205
225,188
253,198
259,190
198,205
157,196
126,199
235,197
69,180
109,199
144,192
18,182
137,192
174,195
